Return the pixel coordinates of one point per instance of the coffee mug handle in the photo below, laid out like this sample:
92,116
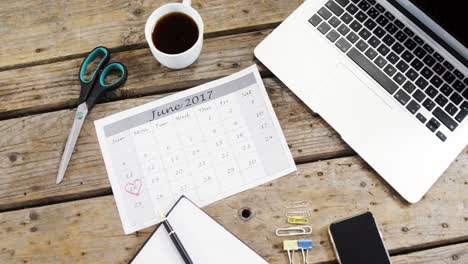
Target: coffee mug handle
187,2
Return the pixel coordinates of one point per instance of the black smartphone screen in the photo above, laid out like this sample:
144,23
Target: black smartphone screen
357,241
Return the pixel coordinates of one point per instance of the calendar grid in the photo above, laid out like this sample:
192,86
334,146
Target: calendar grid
188,173
191,173
235,158
155,204
206,143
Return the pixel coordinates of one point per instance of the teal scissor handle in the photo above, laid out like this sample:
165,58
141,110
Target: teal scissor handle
100,87
88,84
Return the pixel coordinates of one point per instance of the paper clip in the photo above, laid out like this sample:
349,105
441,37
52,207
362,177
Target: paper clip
297,213
298,204
298,220
305,245
294,231
290,246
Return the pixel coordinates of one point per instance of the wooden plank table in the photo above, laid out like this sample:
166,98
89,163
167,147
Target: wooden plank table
43,44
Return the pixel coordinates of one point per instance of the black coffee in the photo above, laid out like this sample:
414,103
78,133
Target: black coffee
175,33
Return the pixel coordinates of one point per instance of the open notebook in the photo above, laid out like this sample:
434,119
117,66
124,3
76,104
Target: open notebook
205,240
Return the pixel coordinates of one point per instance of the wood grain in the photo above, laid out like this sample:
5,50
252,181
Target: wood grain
46,30
449,254
30,149
90,231
55,85
44,44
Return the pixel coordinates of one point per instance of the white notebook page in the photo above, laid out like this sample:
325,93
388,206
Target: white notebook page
204,239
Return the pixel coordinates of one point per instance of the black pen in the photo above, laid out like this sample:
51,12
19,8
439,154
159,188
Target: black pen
175,239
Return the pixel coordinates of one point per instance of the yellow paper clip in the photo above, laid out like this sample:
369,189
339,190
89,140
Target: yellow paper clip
298,220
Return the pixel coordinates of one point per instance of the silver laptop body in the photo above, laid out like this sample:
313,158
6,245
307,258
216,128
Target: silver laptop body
343,81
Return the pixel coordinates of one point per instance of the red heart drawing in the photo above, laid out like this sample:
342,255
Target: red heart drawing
134,188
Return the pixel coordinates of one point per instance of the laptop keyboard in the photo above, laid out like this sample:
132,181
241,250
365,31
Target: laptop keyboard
400,61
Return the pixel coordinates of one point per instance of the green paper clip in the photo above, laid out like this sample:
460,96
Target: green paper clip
290,246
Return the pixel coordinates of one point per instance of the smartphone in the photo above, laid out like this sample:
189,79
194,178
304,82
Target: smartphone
357,240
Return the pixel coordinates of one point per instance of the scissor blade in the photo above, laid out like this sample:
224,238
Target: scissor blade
80,116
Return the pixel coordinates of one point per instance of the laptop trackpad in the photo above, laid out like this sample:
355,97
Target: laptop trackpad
352,105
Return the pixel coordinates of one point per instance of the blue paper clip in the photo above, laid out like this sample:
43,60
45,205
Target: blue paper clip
305,245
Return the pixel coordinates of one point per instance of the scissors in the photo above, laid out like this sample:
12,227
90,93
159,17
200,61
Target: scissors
91,90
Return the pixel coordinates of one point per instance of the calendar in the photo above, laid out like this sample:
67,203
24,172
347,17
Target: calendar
206,143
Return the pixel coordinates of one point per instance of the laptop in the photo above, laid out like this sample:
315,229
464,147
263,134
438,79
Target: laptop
389,76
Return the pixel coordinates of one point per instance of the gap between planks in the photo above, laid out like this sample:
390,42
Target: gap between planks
138,46
29,160
55,86
108,191
443,253
404,226
58,28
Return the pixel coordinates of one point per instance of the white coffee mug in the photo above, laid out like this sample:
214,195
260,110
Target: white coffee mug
180,60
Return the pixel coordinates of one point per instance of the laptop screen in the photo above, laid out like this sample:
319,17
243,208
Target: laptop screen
444,21
450,15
